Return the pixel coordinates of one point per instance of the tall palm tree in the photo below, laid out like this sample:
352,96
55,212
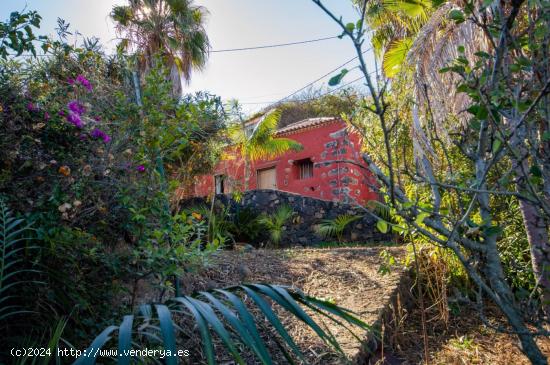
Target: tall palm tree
262,143
171,29
395,24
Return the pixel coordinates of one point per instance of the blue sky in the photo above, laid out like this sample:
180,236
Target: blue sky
254,77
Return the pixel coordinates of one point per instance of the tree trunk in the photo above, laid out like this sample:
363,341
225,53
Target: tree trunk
537,235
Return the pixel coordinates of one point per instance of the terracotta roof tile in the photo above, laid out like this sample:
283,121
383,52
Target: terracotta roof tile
305,124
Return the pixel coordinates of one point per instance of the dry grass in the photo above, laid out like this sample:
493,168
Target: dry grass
464,340
347,276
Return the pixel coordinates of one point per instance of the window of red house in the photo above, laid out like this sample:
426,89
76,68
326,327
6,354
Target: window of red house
304,168
219,184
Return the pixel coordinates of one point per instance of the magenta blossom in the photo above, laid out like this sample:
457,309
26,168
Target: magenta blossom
61,113
98,133
46,116
140,168
75,107
31,107
74,119
84,82
70,81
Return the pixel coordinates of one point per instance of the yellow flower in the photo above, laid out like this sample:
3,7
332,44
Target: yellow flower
196,216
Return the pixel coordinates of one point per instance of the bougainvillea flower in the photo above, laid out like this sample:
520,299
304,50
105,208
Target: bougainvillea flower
140,168
76,107
75,120
98,133
31,107
84,82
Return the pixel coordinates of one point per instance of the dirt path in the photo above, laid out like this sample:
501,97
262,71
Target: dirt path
347,276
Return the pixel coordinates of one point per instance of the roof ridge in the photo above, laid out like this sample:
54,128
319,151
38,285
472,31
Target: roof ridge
304,123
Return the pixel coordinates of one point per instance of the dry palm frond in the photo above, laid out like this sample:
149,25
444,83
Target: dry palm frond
434,48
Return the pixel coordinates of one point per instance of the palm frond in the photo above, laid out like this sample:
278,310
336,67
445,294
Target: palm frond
14,236
263,143
395,56
335,227
225,313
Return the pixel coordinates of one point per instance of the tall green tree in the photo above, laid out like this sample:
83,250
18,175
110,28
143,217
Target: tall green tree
171,29
395,25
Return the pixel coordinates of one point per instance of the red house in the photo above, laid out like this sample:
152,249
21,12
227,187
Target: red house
317,171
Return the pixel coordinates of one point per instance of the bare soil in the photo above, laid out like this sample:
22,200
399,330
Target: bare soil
347,276
350,278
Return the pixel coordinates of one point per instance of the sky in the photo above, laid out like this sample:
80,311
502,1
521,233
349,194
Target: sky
256,77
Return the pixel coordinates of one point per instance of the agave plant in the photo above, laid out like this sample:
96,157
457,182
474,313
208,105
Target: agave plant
275,223
14,236
335,227
224,313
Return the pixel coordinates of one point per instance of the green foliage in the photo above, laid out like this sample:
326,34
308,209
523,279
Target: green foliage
262,143
226,314
245,224
15,250
17,33
100,206
173,29
217,220
275,223
335,227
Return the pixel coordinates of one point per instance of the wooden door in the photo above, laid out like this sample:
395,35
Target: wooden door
267,179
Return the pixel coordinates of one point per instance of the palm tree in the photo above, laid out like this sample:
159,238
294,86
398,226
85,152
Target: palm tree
171,29
262,143
395,25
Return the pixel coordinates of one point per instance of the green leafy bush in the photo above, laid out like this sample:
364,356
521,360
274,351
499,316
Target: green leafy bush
275,223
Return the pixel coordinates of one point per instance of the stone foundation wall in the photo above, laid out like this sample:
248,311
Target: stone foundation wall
309,213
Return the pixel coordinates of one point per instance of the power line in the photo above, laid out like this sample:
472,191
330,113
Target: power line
314,81
272,45
319,96
223,50
325,75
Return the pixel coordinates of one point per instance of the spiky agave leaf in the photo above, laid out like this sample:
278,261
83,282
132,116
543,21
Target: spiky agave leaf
225,314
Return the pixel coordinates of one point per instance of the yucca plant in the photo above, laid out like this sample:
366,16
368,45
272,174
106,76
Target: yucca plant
274,223
14,237
335,227
223,312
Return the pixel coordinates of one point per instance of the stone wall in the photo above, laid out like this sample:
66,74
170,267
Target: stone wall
309,213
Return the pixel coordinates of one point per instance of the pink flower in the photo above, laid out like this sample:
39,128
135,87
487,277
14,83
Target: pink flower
61,113
31,107
140,168
98,133
75,107
74,119
84,82
70,81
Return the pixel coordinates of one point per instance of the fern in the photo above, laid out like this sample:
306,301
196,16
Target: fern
14,235
223,312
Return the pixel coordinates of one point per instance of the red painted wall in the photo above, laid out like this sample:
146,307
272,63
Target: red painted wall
323,144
